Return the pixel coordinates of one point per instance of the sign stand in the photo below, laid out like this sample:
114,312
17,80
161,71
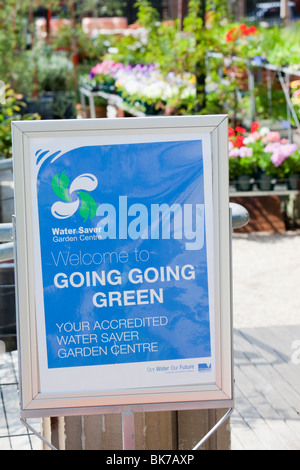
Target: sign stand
117,203
214,429
37,434
128,435
239,217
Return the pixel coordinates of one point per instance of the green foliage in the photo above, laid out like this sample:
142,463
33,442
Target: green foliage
280,45
290,166
88,49
13,38
293,163
162,43
239,166
204,29
53,71
10,111
172,49
147,16
128,50
103,8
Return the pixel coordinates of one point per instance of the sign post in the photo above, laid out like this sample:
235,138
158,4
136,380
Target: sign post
122,250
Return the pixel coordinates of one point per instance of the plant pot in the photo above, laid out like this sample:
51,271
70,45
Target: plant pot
46,105
64,105
7,307
244,183
293,182
57,105
265,182
107,88
32,106
101,112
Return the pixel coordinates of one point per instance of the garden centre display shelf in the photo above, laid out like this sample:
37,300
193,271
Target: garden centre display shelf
115,102
279,189
258,193
284,75
112,100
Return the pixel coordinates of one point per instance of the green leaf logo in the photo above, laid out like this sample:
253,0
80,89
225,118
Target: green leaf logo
86,203
88,206
60,184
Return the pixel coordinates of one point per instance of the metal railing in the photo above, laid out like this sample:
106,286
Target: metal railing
6,230
283,74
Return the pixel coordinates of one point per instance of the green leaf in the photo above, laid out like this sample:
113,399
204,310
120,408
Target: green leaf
60,184
88,206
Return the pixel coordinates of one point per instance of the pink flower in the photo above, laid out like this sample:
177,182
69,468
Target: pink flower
107,67
277,159
246,152
273,136
97,69
255,135
272,147
235,152
280,152
289,149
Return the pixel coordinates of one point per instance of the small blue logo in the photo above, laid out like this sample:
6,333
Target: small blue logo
204,367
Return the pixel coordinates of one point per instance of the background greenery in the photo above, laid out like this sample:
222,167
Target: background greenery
45,70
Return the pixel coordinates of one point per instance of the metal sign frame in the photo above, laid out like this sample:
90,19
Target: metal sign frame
35,399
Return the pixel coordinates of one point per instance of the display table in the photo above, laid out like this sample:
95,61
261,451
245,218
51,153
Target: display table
257,193
114,102
269,210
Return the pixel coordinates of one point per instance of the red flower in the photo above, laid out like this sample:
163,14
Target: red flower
254,127
241,130
252,30
231,132
244,29
229,35
240,32
239,141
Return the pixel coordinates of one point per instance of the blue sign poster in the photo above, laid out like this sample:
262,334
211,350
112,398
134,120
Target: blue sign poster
124,255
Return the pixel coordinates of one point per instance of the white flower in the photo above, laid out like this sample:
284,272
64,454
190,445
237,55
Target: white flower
113,50
264,131
249,140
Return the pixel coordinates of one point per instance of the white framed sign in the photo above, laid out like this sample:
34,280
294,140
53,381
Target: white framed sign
123,264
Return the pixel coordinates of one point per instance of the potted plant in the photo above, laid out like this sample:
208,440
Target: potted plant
258,139
54,76
103,76
293,174
283,161
241,160
142,87
242,168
